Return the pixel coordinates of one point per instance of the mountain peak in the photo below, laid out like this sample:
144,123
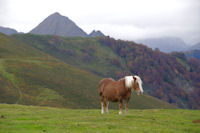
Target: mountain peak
59,25
7,31
96,33
56,13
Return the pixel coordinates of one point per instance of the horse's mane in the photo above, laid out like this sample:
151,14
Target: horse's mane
138,79
129,81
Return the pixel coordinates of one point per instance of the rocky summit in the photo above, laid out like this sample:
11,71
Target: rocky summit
59,25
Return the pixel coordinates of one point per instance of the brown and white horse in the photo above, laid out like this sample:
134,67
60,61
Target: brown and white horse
117,91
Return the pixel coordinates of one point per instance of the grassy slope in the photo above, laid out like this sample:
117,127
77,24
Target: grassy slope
85,53
32,119
31,77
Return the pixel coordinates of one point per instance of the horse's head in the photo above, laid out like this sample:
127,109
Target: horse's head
134,83
137,85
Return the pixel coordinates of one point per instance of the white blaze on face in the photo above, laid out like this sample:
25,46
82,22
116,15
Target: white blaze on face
139,81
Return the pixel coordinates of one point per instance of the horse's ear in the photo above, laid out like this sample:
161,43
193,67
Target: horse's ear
134,78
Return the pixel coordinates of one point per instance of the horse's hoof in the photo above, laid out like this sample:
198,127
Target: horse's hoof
120,113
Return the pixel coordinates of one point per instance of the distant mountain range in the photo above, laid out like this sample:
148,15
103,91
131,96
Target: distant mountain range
195,46
56,24
172,44
7,31
193,51
165,44
59,25
96,33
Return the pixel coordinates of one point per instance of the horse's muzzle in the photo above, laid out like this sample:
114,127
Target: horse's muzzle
140,93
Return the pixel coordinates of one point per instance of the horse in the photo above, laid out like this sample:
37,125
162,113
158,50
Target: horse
117,91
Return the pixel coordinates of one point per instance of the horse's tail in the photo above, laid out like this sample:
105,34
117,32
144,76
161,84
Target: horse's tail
100,87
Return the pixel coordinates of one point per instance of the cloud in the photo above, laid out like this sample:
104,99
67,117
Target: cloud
3,11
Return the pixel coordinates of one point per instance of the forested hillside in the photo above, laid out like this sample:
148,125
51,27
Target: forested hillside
170,77
32,77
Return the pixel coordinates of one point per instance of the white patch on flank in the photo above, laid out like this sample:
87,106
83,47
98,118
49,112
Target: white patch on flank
129,81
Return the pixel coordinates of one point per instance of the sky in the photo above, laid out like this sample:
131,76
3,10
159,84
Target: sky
121,19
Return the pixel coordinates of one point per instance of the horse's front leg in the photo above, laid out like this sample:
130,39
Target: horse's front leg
126,106
102,108
107,103
105,106
120,106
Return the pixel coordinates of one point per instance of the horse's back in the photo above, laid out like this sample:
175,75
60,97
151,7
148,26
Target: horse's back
104,82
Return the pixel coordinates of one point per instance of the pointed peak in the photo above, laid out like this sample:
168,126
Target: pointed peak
57,15
96,33
57,24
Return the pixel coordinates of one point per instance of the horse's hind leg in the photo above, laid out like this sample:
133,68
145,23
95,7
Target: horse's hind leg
102,104
105,105
120,107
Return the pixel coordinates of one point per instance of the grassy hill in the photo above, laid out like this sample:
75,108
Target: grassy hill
33,119
170,77
31,77
85,53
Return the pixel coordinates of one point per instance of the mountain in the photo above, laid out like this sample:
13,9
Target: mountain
169,77
7,31
30,75
59,25
96,33
165,44
193,53
195,47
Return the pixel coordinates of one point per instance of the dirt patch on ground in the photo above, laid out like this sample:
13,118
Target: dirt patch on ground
196,121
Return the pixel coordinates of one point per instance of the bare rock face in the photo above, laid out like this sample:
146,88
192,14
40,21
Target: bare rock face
59,25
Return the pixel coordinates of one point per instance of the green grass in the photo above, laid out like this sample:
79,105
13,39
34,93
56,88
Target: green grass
33,119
